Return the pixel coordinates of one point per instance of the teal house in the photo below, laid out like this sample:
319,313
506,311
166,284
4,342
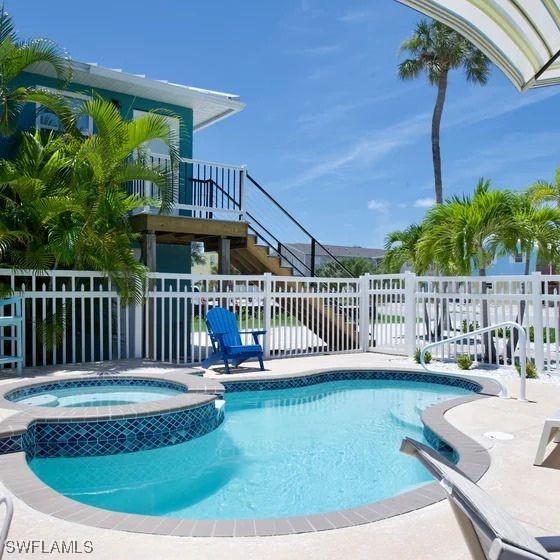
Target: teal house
201,192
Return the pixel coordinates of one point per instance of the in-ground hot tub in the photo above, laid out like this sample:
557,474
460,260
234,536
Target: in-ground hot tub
104,414
95,392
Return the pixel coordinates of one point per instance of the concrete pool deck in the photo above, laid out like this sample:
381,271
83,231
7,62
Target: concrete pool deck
529,493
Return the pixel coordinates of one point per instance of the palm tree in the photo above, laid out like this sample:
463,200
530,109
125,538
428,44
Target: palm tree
64,202
467,233
535,230
17,56
436,49
545,191
401,249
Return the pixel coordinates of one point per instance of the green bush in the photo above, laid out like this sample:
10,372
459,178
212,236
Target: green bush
549,334
501,333
470,327
464,361
530,369
427,356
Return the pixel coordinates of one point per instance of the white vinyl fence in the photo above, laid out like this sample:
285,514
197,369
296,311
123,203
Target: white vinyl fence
74,317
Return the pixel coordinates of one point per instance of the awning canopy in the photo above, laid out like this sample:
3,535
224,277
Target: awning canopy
522,37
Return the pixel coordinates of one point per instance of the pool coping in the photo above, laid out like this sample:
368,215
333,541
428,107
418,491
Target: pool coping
474,461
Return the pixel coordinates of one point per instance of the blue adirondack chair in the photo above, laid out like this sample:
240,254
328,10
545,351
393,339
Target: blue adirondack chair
226,340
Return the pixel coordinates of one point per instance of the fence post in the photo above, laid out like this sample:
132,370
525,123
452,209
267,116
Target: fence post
410,312
365,280
138,331
538,340
267,312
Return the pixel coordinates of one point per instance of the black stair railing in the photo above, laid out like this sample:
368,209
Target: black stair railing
274,244
313,242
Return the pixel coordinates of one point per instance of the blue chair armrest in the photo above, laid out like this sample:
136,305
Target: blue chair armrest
255,334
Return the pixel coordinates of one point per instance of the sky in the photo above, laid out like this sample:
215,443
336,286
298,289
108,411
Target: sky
329,129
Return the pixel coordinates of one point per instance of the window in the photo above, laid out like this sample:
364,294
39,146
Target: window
158,148
517,259
47,120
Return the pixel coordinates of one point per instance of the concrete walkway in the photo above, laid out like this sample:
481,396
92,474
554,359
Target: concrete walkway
531,494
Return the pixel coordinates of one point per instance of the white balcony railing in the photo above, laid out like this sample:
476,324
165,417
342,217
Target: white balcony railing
200,189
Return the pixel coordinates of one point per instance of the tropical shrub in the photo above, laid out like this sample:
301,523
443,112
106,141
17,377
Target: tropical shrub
464,361
64,202
427,356
530,369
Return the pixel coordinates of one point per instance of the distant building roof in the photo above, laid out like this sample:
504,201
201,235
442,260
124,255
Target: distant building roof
208,106
340,251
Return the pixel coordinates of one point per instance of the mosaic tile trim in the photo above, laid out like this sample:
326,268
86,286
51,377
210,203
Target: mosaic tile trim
347,375
31,390
106,437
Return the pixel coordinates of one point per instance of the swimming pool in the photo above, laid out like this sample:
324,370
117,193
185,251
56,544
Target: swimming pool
95,392
278,453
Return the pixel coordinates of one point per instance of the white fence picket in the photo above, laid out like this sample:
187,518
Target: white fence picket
303,316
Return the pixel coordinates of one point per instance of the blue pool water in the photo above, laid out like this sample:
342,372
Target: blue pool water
278,453
100,395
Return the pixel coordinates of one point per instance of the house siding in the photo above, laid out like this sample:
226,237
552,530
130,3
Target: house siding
504,265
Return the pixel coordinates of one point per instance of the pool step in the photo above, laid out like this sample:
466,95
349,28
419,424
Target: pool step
407,421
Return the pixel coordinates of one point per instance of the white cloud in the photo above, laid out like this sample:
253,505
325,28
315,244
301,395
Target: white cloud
424,202
374,147
317,50
366,150
381,206
357,16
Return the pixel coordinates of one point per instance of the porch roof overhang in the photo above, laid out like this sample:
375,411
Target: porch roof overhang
521,37
208,106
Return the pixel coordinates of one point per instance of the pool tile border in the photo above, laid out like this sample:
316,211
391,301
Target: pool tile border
474,461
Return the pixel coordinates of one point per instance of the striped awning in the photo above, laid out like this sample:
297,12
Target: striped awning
522,37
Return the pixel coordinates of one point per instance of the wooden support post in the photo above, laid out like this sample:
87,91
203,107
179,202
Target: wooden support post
149,255
224,255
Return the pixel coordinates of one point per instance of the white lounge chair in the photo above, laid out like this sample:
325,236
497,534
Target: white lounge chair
490,532
551,431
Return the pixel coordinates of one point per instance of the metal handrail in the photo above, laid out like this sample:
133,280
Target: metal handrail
263,228
7,501
522,350
314,241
